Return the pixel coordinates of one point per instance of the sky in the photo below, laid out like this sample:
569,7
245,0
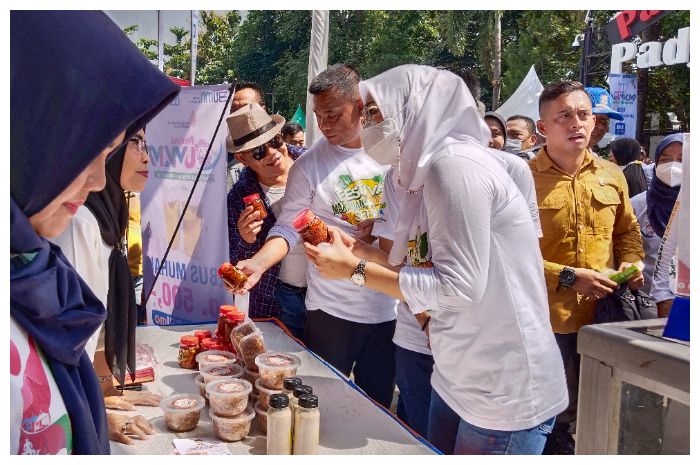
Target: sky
147,20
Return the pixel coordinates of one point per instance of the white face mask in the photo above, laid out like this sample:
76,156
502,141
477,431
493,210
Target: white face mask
381,142
670,173
513,146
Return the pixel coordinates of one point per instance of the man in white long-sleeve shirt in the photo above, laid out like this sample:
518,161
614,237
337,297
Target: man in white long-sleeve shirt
349,326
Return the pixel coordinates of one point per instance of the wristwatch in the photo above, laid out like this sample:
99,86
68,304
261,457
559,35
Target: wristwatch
358,277
567,277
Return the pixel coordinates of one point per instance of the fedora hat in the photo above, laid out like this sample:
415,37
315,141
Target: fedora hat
251,126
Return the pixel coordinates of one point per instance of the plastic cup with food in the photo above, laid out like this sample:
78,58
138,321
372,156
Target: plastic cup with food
235,428
275,366
265,393
251,346
181,411
214,356
261,414
228,397
221,370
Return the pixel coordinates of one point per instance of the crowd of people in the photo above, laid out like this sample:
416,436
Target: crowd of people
466,249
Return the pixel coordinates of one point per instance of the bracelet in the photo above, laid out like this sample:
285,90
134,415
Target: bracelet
425,325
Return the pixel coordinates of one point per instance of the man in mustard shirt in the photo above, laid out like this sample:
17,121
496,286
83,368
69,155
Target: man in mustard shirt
588,224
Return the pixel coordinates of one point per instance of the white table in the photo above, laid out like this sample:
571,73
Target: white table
350,422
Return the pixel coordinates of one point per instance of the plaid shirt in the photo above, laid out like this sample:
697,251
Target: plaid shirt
262,302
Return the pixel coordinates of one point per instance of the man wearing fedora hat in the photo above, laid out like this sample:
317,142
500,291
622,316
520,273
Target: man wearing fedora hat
256,142
347,324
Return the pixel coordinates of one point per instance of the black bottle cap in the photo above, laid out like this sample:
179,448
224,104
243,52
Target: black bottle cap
291,383
308,401
279,401
303,389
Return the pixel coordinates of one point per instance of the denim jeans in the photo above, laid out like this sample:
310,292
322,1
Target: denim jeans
292,307
413,371
452,435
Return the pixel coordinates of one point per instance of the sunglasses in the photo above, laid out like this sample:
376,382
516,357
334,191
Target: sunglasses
141,145
260,151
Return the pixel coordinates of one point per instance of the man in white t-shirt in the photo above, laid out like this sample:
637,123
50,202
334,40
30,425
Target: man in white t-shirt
348,325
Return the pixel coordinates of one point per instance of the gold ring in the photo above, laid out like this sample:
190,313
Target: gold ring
127,426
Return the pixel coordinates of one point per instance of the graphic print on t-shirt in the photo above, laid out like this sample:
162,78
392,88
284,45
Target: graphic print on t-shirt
46,426
359,199
418,253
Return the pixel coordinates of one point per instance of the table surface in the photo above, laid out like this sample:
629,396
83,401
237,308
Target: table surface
350,422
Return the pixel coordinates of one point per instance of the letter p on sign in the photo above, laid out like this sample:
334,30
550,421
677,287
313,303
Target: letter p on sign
622,52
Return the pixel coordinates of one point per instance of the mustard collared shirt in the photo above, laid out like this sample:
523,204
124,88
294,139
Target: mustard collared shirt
587,222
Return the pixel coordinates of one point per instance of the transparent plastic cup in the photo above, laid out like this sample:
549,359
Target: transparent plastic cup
181,411
199,380
228,397
251,346
214,356
265,393
275,366
261,415
235,428
252,376
221,370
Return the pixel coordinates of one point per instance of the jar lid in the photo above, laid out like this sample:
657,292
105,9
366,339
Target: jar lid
279,401
302,219
291,383
251,197
227,308
202,334
189,340
303,389
308,401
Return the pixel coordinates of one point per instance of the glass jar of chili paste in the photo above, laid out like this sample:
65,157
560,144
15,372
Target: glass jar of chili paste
257,203
310,227
189,348
224,310
232,276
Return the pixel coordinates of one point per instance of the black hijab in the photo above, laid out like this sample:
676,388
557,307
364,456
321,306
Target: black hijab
76,82
112,213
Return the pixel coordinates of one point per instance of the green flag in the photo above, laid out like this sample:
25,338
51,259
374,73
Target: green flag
299,117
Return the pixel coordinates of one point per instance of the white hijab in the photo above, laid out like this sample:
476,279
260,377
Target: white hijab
433,110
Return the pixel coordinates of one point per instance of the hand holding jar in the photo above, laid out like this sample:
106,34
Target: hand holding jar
334,260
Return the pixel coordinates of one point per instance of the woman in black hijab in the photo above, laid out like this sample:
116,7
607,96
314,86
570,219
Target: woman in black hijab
627,153
64,123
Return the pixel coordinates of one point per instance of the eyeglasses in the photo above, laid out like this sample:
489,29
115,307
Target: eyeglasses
141,144
260,151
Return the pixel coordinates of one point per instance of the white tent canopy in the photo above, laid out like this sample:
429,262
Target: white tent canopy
525,99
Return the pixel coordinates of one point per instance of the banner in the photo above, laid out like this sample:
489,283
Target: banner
623,88
318,61
194,36
188,289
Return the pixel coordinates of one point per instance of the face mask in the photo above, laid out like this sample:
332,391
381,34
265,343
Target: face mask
513,146
670,173
381,142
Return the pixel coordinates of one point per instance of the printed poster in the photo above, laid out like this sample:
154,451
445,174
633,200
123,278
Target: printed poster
188,290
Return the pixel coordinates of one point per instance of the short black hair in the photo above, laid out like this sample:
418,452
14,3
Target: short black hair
556,89
291,128
468,76
241,84
530,124
341,77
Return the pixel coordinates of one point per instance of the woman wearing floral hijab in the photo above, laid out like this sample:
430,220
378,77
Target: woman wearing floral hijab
472,260
64,124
